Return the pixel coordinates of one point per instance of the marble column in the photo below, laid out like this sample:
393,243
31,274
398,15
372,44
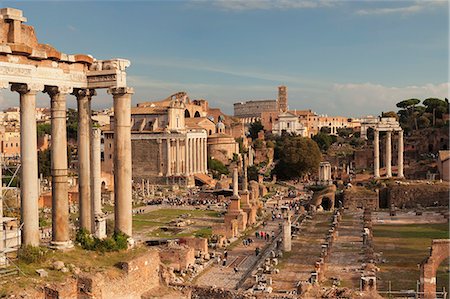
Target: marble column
388,154
206,154
245,178
376,153
202,156
186,156
98,221
191,155
29,187
122,159
400,154
84,97
195,155
194,170
169,158
178,157
60,196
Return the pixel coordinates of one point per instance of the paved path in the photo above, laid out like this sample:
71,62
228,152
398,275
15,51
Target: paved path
306,247
345,259
242,257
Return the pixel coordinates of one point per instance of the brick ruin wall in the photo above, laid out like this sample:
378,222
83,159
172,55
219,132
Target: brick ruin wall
138,276
145,155
353,200
409,196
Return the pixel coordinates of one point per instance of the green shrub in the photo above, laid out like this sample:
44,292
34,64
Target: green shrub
31,254
115,243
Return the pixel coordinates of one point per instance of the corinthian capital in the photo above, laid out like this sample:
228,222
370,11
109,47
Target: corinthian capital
82,93
120,90
23,88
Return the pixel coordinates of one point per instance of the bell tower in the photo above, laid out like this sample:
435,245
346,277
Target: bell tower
282,98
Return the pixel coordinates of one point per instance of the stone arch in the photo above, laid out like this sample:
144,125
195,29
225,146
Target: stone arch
187,114
197,114
327,203
439,252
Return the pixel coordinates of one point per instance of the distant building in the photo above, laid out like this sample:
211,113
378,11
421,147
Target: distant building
251,111
289,123
169,141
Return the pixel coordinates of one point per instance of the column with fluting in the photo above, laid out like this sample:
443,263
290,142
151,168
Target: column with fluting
169,160
186,156
400,155
122,160
84,97
29,187
388,154
376,153
178,157
60,196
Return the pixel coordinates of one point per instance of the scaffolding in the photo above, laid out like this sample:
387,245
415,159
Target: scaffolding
10,228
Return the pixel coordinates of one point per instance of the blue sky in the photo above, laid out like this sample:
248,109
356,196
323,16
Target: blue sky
347,58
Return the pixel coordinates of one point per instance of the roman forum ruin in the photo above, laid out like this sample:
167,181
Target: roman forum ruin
390,126
211,205
27,67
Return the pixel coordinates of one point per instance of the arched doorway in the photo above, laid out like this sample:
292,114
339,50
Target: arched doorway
187,114
327,204
197,114
439,253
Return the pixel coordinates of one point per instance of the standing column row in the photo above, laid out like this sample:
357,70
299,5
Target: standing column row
388,154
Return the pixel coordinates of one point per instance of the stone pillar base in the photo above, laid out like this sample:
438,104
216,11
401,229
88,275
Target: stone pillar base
61,245
131,243
100,227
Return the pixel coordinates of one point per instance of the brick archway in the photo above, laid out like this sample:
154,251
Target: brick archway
439,252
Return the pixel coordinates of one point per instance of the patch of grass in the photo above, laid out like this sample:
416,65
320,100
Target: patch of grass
205,232
144,224
404,247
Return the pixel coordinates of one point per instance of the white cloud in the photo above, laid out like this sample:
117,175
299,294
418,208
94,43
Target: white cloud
228,70
370,98
415,7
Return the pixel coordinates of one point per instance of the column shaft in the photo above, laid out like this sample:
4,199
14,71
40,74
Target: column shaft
169,160
84,180
29,190
376,154
178,157
186,156
96,184
122,160
400,155
60,197
388,154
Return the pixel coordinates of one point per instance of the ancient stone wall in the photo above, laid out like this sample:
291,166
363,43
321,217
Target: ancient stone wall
145,155
139,276
177,257
409,196
360,197
198,244
254,108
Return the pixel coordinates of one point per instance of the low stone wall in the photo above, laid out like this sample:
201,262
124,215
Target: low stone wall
139,276
179,257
